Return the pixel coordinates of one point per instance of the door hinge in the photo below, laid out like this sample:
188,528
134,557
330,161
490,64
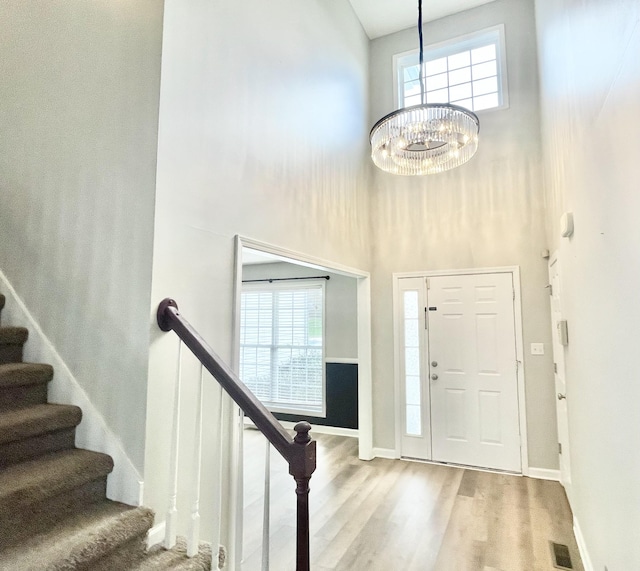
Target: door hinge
555,367
426,320
559,447
514,295
550,288
428,284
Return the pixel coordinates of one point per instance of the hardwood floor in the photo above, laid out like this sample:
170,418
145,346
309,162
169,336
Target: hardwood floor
396,515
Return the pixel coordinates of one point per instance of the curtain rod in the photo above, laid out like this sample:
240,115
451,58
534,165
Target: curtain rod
271,280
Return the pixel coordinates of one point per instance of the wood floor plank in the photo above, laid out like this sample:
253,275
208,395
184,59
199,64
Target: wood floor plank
392,515
552,520
357,517
429,542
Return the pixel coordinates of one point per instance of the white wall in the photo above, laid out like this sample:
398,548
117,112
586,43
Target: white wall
263,123
590,86
488,213
78,115
341,309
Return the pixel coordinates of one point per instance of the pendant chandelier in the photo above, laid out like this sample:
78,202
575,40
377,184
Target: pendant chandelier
427,138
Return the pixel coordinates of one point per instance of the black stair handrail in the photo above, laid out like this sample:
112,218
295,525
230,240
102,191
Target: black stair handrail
299,452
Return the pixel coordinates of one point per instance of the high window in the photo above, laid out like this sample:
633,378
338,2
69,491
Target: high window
468,71
282,345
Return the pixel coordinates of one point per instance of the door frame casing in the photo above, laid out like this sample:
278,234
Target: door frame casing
565,479
363,285
520,372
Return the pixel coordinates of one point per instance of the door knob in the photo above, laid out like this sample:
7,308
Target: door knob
561,396
434,363
434,377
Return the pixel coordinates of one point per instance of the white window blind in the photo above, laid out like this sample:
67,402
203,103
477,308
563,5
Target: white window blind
469,72
281,345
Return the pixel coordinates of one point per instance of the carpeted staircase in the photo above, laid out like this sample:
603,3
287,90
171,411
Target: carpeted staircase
54,514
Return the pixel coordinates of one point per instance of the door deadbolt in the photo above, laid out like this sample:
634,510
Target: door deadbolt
434,363
434,377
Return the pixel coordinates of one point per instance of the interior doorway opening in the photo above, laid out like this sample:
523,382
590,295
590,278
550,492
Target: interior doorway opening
338,336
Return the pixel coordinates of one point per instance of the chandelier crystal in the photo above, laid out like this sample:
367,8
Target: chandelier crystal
424,139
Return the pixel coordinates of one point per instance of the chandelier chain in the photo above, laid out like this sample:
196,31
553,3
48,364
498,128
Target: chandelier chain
421,76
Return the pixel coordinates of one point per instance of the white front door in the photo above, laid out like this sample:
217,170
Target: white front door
558,365
474,382
465,408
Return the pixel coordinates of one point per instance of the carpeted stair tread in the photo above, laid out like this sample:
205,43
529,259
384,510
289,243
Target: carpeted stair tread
23,384
161,559
32,482
13,335
81,541
36,420
12,340
21,374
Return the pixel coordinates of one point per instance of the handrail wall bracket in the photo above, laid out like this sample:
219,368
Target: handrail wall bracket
164,323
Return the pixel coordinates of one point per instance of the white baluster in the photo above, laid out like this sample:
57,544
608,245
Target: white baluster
237,491
193,538
217,474
172,511
266,508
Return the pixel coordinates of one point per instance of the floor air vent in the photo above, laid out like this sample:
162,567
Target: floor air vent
561,556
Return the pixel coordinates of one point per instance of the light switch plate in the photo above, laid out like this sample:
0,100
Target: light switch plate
537,348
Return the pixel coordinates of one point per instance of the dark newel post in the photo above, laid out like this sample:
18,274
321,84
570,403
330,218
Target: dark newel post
301,468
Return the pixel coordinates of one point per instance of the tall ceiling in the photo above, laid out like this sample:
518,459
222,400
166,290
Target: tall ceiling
382,17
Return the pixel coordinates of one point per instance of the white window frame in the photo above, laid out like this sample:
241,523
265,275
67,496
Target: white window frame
451,47
292,285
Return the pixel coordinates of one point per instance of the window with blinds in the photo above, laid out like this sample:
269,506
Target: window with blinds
281,345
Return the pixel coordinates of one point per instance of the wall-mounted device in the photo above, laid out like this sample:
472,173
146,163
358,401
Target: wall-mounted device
566,224
563,332
537,348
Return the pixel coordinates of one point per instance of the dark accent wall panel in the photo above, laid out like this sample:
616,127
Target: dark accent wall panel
342,398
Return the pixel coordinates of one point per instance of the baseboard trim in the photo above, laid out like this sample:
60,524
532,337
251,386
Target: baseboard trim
320,429
387,453
544,474
317,428
124,484
582,546
156,534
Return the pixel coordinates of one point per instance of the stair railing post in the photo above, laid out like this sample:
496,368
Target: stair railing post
171,524
193,539
266,513
301,467
216,482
